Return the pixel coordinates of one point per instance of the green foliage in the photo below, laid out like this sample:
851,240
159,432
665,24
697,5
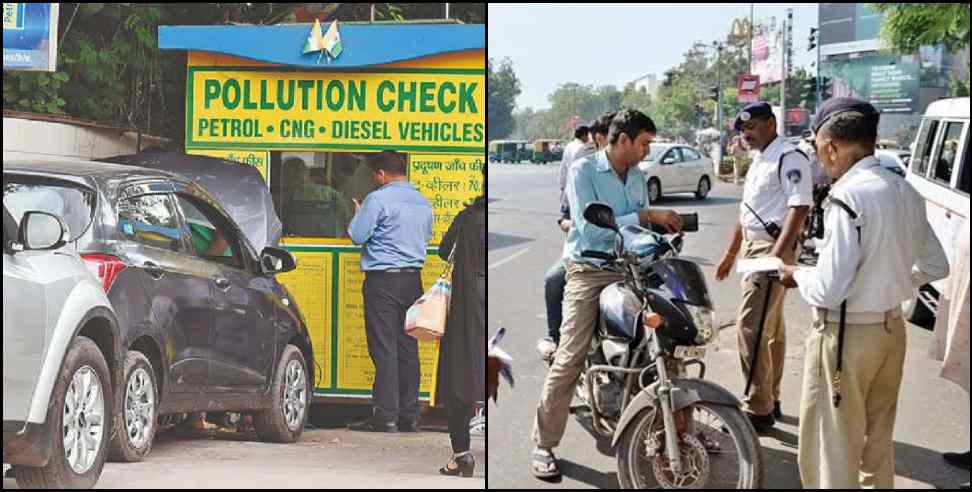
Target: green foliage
909,26
503,88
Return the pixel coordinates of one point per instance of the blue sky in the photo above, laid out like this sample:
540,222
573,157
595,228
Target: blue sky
551,44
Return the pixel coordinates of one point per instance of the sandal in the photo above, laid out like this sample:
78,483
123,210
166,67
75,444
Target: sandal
544,465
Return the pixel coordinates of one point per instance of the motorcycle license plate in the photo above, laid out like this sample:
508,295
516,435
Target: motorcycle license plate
690,353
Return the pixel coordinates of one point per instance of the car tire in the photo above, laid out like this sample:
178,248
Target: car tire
705,186
84,368
137,412
654,190
284,421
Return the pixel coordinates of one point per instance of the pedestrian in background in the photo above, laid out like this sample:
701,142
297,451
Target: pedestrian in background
462,355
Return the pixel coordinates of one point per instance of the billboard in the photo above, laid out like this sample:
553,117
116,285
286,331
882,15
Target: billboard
848,28
768,53
747,88
890,83
30,36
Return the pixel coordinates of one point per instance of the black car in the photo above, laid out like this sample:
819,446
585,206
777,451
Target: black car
205,323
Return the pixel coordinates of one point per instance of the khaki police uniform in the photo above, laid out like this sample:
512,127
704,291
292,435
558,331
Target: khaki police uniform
878,248
771,190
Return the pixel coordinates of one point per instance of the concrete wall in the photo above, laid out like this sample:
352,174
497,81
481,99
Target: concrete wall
31,139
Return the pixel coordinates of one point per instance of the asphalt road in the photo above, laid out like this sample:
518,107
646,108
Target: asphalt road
524,240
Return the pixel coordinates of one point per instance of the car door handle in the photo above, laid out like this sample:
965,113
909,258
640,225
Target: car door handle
222,283
153,270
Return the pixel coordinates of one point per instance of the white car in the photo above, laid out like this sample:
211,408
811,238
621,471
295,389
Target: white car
673,168
939,170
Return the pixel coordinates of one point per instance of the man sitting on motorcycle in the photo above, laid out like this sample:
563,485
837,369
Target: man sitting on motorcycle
610,176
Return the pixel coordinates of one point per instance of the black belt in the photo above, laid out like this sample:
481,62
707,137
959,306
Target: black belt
397,270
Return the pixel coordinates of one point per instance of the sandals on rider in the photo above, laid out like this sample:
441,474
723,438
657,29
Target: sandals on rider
544,465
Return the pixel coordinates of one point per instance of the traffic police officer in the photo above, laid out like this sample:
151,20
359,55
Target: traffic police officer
878,248
776,200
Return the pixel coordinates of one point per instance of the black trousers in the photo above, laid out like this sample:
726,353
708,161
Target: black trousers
460,416
395,355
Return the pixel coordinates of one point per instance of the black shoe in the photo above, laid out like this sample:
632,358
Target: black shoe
762,423
957,460
408,426
465,466
372,426
778,410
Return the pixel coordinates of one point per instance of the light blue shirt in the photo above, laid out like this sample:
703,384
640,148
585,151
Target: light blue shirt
593,180
394,226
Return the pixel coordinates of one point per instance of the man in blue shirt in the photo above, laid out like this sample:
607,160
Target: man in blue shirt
394,226
610,176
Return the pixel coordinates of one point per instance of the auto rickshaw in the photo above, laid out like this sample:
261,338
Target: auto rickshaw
513,151
547,150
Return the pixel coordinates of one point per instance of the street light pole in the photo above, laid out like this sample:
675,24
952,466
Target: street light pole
718,47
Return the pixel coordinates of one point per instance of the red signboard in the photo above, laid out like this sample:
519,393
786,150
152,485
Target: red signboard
748,88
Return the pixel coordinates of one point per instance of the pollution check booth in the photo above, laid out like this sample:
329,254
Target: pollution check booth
307,121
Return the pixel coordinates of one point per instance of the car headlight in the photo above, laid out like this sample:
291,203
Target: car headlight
704,320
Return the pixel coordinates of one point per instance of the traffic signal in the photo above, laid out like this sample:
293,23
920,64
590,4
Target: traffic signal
814,34
827,88
714,94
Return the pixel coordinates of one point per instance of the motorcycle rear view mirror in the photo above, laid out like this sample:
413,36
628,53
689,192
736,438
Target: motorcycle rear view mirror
601,215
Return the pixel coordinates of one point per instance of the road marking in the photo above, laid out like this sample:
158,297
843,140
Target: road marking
509,259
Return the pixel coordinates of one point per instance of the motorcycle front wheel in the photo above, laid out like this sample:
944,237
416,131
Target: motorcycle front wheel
718,446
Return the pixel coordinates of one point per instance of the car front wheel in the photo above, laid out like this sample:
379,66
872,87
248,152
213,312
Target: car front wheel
702,192
80,416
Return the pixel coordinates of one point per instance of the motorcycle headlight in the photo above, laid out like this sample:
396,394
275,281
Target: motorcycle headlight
704,320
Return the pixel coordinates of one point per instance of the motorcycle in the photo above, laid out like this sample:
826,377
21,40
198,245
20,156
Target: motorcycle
668,429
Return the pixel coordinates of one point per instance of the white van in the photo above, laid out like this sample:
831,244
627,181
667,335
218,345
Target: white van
939,170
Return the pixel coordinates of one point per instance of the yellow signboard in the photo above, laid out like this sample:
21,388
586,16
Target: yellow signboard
312,292
419,110
449,182
355,371
259,159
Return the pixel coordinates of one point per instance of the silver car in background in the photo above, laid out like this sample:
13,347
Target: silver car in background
671,168
60,356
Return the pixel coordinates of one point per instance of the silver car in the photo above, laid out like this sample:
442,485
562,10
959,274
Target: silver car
60,356
671,168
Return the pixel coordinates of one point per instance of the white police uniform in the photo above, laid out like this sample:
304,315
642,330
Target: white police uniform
779,178
878,248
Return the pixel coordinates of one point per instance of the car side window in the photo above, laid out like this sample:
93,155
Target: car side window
151,220
923,149
947,153
211,236
690,155
675,154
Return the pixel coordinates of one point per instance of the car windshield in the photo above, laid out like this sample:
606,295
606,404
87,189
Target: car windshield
72,203
656,152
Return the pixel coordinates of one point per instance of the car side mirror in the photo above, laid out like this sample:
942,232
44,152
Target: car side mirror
274,261
668,161
41,231
601,215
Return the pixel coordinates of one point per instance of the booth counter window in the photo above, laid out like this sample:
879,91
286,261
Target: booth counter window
313,192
